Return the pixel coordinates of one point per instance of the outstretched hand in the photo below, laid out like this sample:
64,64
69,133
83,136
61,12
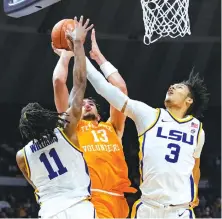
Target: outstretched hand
95,52
79,33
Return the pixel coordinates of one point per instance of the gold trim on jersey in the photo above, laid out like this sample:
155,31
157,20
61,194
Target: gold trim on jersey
134,208
26,163
195,190
141,141
37,197
192,212
154,123
67,139
186,119
199,131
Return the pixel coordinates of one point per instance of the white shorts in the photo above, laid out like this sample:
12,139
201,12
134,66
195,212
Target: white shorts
81,210
144,210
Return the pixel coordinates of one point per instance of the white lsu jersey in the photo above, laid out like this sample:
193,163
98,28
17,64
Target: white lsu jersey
166,159
59,173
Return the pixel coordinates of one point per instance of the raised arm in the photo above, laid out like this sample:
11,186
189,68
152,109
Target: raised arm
142,114
111,73
75,41
61,93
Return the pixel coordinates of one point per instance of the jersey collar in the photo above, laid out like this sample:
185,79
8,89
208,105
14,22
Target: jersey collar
183,120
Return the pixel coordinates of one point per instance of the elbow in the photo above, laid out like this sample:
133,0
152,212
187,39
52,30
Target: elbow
58,81
123,88
99,88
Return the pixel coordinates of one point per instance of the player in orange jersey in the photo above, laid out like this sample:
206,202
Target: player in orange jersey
100,141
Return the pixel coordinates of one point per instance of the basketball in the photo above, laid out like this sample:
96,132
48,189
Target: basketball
58,33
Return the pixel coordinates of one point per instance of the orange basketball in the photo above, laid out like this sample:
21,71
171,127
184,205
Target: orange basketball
58,33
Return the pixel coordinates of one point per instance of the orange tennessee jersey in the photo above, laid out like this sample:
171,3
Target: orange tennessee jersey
104,156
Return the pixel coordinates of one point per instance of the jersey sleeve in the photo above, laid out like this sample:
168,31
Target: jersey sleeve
142,114
200,143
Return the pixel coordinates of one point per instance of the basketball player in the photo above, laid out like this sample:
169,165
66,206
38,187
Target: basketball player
171,141
100,141
52,162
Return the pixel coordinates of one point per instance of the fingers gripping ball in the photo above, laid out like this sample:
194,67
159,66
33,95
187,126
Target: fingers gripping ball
58,34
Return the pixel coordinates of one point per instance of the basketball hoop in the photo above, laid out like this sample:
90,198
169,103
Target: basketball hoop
165,18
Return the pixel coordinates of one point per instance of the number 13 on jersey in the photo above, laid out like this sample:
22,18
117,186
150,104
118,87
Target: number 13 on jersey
100,135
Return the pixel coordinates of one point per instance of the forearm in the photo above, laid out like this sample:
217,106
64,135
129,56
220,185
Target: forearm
196,179
79,69
100,59
196,171
196,175
61,92
113,76
112,94
79,75
61,69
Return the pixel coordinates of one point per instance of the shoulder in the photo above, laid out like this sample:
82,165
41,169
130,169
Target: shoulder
20,154
108,124
201,133
156,113
197,123
153,120
20,158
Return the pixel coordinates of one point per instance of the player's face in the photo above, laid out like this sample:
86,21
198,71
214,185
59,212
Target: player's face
89,110
178,95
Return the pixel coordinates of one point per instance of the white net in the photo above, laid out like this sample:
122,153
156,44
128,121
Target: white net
165,18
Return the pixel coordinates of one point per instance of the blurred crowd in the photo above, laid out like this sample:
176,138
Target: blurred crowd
209,207
19,202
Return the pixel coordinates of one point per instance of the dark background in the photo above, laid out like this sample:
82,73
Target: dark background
27,63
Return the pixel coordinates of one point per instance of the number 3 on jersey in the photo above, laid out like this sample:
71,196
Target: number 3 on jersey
100,135
174,151
61,169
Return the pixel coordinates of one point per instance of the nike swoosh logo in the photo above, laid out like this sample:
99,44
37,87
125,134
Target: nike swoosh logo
181,214
164,120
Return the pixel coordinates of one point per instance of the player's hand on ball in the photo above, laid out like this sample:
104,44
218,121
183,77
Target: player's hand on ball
64,52
79,33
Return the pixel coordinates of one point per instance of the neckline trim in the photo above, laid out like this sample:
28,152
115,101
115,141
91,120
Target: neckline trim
184,120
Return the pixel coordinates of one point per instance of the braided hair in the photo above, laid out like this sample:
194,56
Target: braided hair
37,123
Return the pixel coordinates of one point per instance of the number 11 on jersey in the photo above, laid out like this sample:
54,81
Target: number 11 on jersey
61,169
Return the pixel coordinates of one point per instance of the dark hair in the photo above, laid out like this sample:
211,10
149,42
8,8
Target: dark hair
94,101
198,92
90,98
39,123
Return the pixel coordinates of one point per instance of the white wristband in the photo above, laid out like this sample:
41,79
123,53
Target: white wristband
107,68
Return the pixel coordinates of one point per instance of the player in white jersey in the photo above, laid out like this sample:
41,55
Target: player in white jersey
52,161
171,141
